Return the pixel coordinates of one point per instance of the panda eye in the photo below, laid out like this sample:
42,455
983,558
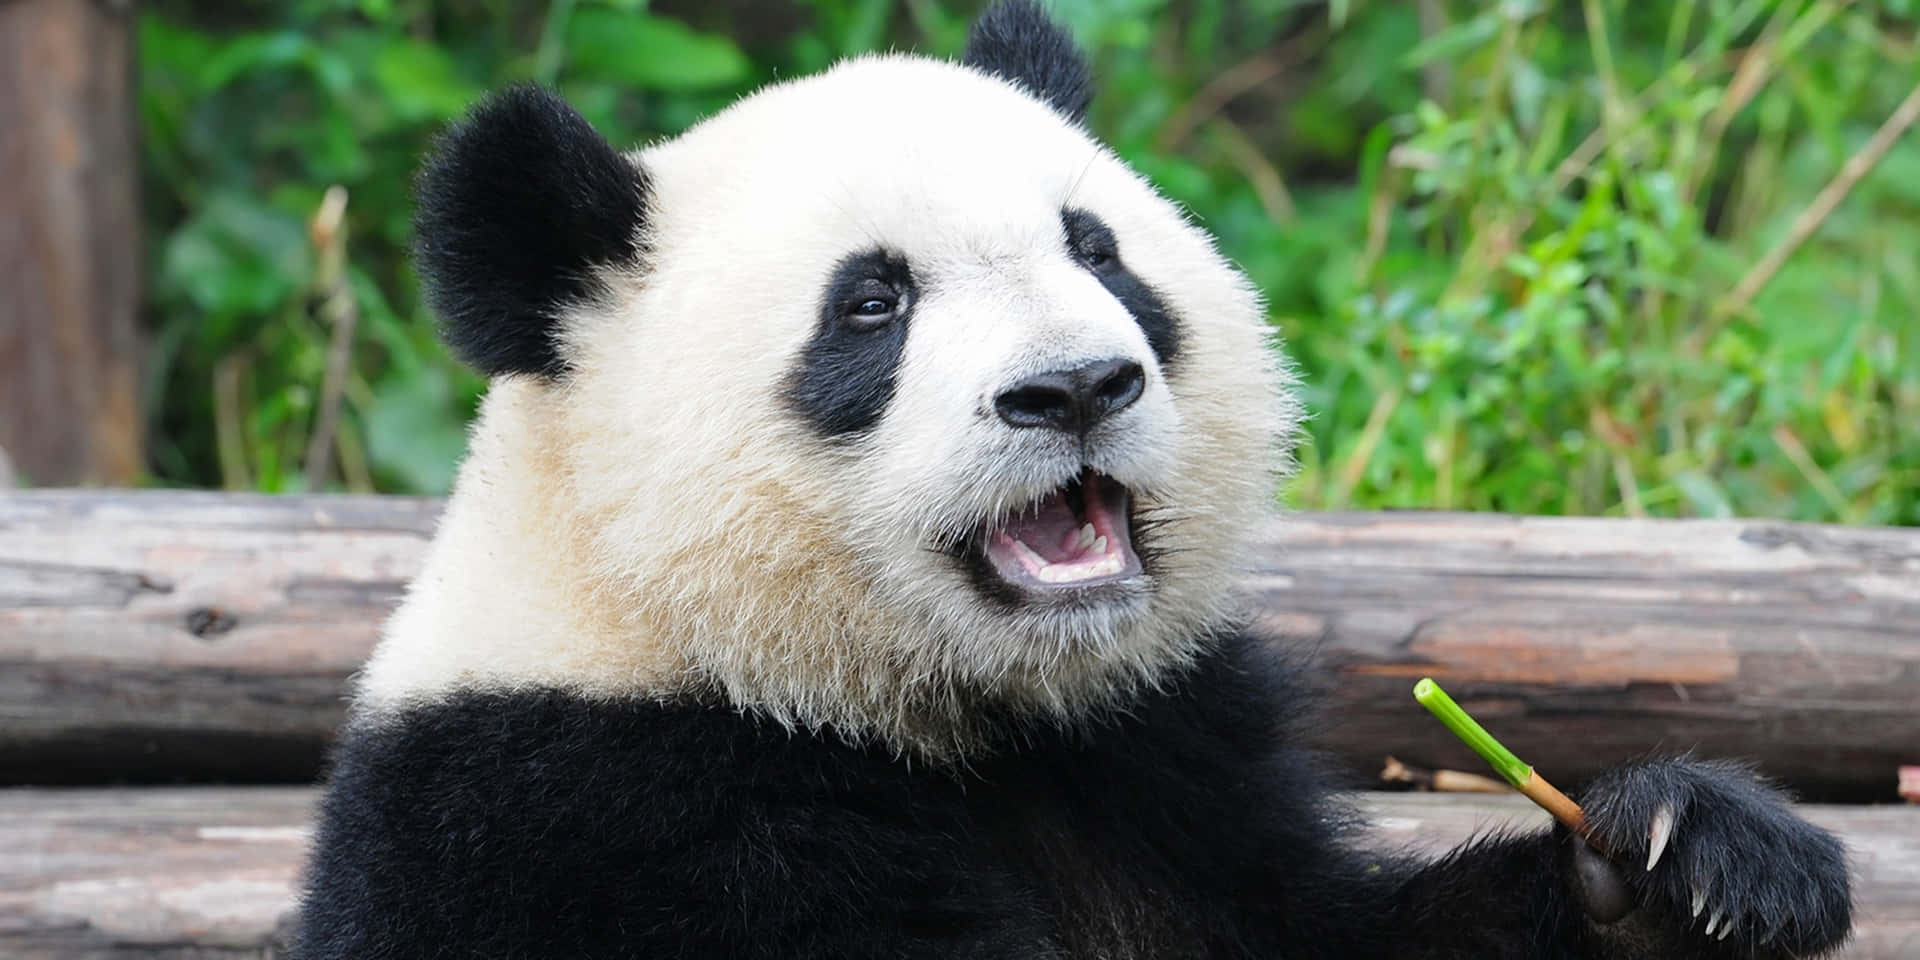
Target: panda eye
1096,257
1090,241
868,292
871,310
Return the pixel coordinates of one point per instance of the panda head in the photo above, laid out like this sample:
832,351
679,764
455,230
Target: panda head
885,400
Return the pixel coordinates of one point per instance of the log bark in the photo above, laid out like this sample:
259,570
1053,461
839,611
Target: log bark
164,635
69,243
159,636
210,872
1582,643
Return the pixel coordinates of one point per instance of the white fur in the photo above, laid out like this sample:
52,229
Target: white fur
659,522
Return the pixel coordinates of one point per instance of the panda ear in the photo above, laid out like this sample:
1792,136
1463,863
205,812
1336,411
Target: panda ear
517,204
1017,41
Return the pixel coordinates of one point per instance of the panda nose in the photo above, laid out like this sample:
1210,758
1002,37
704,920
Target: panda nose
1073,400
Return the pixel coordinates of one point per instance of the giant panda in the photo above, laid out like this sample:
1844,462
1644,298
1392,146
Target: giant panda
840,568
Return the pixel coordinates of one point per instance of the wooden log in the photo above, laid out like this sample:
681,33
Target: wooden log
211,871
158,635
1582,643
151,873
166,635
69,243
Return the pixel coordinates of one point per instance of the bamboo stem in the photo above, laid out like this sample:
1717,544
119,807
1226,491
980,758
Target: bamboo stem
1553,801
1534,786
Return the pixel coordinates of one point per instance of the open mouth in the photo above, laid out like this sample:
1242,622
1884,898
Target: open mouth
1079,535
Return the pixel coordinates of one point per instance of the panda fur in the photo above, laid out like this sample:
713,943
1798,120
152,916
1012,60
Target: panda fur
720,650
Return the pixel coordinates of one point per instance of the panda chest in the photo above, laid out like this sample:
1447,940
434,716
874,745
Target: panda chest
1125,859
1055,851
1100,877
720,835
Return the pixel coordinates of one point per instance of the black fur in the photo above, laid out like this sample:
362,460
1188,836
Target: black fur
1016,40
521,825
1735,842
517,205
1094,245
845,375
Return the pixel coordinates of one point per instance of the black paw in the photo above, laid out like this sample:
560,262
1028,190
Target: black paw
1710,859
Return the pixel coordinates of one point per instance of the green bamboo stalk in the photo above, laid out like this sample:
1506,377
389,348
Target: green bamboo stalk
1522,776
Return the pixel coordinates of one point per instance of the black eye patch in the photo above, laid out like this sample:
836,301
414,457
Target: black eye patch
1094,246
844,377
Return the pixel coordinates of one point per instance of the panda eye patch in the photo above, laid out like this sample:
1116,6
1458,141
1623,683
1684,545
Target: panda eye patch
842,380
1091,243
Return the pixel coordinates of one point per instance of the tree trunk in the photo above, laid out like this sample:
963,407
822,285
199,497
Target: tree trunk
69,243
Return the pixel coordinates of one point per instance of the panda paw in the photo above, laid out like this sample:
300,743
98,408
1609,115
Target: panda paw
1708,860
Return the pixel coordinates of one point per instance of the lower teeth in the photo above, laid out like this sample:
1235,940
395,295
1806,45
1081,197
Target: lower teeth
1063,573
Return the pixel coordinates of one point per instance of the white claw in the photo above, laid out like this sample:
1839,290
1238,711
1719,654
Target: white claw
1712,922
1657,834
1699,902
1726,929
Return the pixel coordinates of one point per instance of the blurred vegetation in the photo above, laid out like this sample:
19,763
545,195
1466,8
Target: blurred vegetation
1503,239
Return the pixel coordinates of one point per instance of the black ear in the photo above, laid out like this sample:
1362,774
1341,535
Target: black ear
517,203
1017,41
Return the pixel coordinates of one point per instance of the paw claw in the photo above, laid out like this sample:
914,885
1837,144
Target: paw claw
1713,922
1699,902
1658,832
1725,930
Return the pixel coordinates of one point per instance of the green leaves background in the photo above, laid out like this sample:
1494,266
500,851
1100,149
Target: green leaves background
1499,237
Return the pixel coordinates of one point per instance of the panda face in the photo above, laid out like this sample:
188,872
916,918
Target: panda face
1019,397
905,397
1010,385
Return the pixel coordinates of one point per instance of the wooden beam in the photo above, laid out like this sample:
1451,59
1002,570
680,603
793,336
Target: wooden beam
69,243
160,635
210,872
180,874
1583,643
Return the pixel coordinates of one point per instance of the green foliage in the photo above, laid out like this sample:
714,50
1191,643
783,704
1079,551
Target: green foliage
1502,240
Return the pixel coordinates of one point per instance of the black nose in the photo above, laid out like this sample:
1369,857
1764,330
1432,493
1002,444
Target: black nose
1072,400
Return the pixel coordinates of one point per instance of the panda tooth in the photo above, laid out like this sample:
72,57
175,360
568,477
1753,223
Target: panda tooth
1034,560
1086,537
1100,544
